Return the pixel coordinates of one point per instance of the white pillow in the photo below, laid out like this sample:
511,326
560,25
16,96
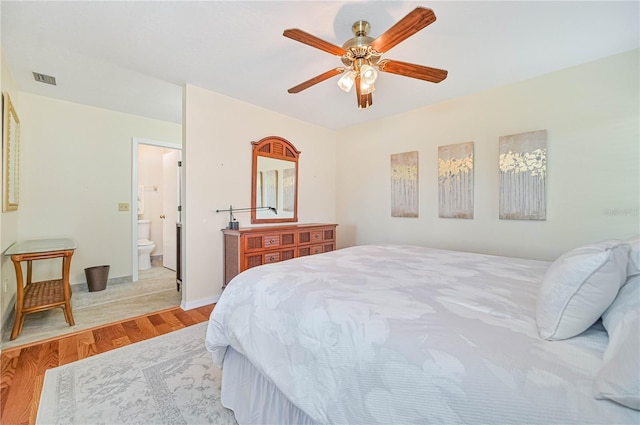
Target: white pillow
578,287
633,268
619,377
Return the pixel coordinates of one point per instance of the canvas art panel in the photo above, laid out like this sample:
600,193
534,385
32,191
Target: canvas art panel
404,184
270,188
523,176
455,180
288,188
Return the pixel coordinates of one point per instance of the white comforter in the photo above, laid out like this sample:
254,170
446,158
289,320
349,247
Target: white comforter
410,335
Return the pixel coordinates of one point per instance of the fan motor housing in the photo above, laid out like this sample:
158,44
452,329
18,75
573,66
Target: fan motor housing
358,45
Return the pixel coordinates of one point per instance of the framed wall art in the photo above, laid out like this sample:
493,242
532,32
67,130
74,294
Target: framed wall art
455,181
10,155
270,188
523,176
404,184
288,188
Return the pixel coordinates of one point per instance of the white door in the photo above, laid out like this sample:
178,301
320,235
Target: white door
170,203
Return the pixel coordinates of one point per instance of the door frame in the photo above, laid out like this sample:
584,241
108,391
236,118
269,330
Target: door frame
135,141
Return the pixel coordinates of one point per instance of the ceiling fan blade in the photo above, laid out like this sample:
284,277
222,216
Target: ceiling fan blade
420,72
368,100
416,20
364,100
358,95
315,80
313,41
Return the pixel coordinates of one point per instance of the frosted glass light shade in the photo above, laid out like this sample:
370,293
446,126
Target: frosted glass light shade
366,88
346,81
368,74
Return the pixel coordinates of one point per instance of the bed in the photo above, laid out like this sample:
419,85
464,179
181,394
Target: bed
383,334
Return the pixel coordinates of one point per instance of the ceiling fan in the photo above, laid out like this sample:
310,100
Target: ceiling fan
361,56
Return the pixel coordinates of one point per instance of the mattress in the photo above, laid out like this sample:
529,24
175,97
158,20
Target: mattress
404,334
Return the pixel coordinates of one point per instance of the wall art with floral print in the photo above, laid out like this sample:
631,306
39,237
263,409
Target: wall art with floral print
523,176
455,181
404,184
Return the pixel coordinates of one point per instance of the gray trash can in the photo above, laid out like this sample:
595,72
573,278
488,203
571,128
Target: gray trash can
97,277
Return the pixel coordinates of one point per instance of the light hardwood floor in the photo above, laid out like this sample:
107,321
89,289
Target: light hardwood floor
154,291
23,367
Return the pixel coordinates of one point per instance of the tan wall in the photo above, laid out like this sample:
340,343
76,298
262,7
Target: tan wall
76,169
9,220
217,161
591,113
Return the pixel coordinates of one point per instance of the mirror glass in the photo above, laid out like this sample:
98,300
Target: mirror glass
274,189
11,144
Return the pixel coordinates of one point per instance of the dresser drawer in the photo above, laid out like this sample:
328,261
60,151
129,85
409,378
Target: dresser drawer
316,236
271,257
261,242
310,250
270,241
260,258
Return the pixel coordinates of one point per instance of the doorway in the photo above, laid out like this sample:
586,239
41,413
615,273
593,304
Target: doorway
155,202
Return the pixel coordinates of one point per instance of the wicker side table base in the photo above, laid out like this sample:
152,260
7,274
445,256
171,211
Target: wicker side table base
43,295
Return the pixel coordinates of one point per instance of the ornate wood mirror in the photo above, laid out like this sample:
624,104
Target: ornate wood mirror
274,181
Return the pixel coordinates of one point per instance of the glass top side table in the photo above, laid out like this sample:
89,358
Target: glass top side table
44,295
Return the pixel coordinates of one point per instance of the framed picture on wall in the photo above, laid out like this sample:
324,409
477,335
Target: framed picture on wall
455,181
404,184
270,188
523,176
10,155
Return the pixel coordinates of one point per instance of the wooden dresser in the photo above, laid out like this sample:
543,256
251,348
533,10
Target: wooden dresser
253,246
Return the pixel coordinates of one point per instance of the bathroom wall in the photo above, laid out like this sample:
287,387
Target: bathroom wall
150,176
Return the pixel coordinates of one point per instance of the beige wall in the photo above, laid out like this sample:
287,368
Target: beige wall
9,220
217,160
591,113
76,168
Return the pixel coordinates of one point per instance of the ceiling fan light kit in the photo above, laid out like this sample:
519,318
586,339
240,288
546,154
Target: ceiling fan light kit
346,81
361,56
368,74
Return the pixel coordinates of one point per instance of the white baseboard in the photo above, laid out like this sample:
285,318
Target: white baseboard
199,303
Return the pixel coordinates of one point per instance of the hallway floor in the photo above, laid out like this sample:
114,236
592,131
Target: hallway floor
155,290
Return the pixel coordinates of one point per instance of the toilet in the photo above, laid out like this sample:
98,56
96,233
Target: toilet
145,246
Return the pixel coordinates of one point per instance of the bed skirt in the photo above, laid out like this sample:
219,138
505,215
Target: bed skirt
253,398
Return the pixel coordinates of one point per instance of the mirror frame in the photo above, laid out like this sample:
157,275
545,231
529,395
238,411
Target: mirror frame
11,155
277,148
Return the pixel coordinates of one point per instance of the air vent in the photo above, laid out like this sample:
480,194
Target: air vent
42,78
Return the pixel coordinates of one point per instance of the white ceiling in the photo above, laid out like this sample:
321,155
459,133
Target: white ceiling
135,57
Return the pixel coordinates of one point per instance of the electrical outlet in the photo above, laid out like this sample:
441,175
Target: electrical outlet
123,206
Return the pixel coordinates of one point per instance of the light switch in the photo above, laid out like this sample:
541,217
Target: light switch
123,206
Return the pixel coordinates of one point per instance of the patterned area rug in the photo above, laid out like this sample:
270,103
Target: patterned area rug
169,379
